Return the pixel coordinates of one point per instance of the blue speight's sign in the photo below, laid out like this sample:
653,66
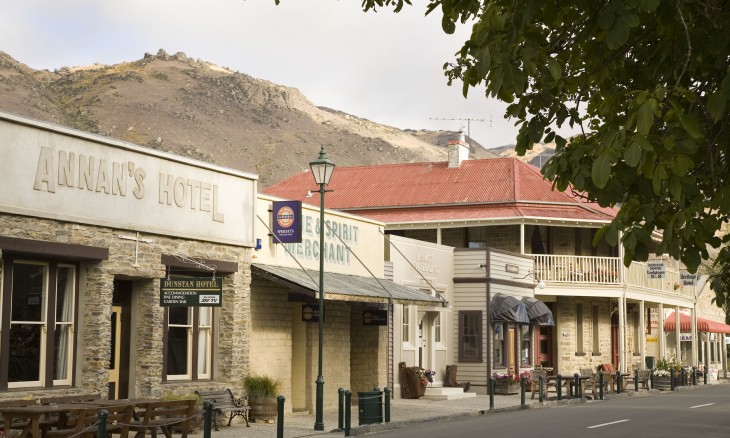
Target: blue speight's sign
287,221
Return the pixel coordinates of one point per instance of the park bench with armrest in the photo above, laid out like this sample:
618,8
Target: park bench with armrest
225,403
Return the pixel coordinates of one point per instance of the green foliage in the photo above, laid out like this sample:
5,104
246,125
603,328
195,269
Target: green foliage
261,387
647,82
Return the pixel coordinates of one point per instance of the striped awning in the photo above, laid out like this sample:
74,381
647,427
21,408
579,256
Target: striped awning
685,324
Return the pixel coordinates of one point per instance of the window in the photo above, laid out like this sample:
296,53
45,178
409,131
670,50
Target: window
579,328
525,345
498,342
189,340
470,336
38,317
596,345
437,328
406,322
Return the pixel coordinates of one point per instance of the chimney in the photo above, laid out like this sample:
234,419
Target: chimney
458,151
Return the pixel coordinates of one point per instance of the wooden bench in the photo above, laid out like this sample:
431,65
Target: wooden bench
165,415
57,400
225,403
643,378
17,424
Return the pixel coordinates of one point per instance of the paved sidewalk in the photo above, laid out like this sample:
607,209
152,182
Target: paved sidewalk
405,413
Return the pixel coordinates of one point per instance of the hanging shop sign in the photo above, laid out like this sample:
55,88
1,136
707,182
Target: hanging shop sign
374,317
687,278
191,292
310,313
655,269
287,221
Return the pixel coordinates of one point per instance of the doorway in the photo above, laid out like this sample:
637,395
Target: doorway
545,346
614,340
120,334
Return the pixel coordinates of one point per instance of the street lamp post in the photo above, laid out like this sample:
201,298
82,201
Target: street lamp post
322,171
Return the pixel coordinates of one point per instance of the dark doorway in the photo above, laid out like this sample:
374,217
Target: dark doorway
120,340
614,340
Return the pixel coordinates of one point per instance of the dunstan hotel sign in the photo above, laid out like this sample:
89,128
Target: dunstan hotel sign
110,183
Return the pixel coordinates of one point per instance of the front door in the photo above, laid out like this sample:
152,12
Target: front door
114,360
120,334
545,347
614,340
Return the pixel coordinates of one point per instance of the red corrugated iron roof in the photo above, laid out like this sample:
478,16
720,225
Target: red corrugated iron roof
685,324
496,182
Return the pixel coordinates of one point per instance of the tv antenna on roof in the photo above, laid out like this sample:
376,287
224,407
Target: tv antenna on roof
467,119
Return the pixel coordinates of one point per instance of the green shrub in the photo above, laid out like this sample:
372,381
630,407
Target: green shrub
261,387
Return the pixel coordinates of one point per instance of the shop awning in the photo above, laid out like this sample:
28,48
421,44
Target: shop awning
538,312
506,308
343,287
685,324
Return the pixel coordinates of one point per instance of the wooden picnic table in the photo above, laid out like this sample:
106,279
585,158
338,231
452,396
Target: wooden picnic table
35,413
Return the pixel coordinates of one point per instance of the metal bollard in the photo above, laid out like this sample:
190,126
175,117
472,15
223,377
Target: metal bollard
541,387
636,380
280,416
683,375
619,383
387,404
694,376
348,411
340,409
207,418
559,387
576,385
705,374
651,379
102,422
600,385
491,393
522,390
671,380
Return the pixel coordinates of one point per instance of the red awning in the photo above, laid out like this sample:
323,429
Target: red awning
703,325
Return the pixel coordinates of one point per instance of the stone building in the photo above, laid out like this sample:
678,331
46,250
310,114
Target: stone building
125,271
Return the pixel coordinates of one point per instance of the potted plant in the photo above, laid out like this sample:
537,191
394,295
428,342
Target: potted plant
665,369
509,382
262,392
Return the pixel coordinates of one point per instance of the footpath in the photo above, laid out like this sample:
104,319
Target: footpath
406,413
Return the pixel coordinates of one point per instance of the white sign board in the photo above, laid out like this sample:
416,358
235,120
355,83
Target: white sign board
687,279
58,173
655,269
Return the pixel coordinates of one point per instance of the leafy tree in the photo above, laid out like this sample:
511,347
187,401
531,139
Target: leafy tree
647,82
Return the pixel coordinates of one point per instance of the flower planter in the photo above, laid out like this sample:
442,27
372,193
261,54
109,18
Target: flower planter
662,383
506,388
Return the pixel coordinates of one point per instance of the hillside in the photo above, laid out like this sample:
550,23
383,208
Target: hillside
197,109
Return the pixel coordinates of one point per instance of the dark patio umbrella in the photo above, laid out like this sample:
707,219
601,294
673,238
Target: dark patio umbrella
506,308
538,312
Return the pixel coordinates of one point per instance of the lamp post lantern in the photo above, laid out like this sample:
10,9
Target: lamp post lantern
322,169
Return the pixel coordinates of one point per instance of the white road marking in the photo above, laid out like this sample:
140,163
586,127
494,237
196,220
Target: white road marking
606,424
701,406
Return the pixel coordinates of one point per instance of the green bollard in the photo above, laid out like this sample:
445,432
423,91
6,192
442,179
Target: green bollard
619,383
491,393
671,380
340,409
280,416
651,379
387,404
683,375
102,422
559,386
576,385
705,374
522,390
694,376
600,385
207,418
636,380
348,411
541,387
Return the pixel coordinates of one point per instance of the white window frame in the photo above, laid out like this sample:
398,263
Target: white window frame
70,324
43,323
406,325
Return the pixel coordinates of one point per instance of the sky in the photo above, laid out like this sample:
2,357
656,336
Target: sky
385,67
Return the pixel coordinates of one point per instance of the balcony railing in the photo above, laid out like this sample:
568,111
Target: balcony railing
605,271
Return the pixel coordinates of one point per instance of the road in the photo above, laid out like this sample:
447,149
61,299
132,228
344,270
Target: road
702,413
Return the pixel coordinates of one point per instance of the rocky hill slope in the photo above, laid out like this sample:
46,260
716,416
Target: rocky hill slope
195,108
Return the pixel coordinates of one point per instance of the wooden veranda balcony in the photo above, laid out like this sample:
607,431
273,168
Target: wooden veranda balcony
567,269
